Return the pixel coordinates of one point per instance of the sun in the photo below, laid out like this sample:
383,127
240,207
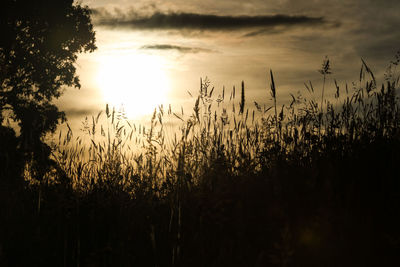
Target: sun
136,82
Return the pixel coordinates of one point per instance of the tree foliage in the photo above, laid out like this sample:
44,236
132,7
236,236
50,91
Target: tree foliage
39,44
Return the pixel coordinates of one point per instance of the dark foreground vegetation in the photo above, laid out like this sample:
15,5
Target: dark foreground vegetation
313,183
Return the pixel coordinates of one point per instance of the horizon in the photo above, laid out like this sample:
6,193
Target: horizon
257,133
151,48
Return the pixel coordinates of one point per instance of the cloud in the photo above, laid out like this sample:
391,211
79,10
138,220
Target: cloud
262,32
278,29
196,21
79,113
181,49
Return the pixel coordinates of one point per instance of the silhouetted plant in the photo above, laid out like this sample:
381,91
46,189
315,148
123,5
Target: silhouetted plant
284,186
38,48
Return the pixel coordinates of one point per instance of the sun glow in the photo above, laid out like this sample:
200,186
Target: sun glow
136,82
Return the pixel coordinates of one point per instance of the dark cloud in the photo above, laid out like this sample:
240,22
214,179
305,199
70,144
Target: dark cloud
182,49
193,21
80,113
278,29
263,32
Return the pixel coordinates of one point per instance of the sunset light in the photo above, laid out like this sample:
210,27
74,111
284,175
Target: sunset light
135,82
200,133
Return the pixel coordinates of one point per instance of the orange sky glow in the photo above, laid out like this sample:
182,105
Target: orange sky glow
154,52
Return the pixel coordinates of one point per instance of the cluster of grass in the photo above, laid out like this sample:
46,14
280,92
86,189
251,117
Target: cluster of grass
311,183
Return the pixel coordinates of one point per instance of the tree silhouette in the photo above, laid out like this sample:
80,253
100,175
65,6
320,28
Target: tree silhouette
39,44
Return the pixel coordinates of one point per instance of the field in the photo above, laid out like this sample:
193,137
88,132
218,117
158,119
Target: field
310,183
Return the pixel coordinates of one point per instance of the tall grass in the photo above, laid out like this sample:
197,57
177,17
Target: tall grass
308,183
242,138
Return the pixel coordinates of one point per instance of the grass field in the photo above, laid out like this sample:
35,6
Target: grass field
312,183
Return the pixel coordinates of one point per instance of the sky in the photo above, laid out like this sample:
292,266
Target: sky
152,52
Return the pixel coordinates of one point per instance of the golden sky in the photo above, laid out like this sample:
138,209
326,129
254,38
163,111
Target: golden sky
152,52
